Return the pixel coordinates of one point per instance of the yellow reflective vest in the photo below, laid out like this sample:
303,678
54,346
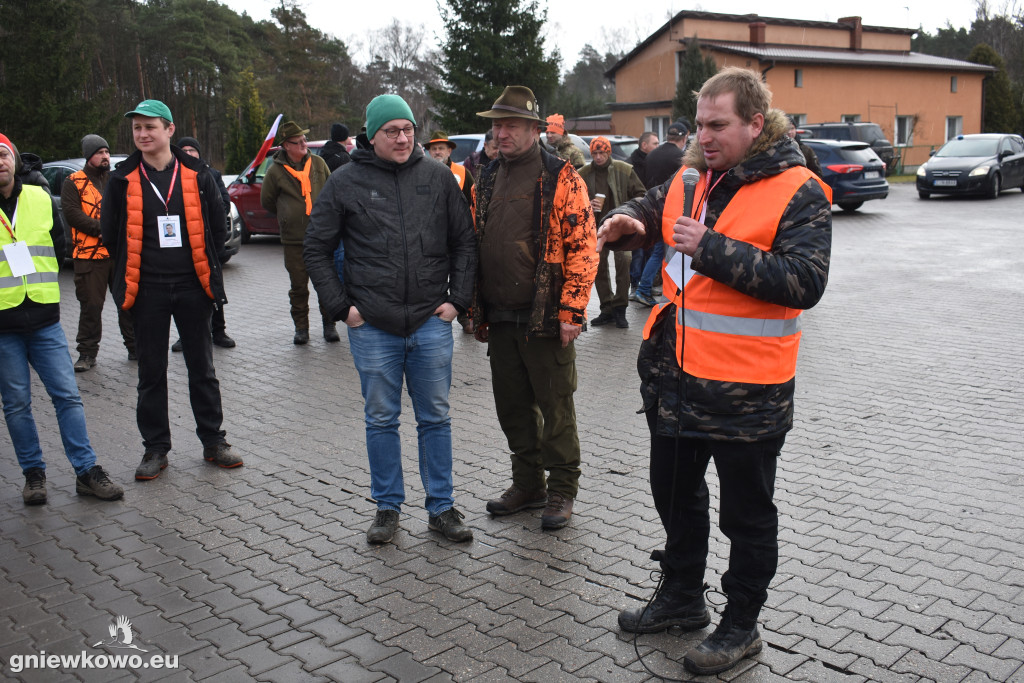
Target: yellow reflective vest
34,220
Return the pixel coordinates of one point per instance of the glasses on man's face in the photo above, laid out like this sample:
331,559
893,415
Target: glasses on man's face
297,143
393,133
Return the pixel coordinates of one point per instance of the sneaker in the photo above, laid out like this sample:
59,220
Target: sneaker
620,318
301,337
176,346
150,466
450,524
558,511
222,340
84,363
656,290
645,299
222,455
34,492
331,332
384,526
517,498
95,482
603,319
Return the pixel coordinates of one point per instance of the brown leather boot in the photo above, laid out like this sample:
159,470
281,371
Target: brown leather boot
557,513
517,498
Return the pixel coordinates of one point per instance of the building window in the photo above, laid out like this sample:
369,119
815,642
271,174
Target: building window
798,119
954,126
904,131
798,78
851,118
658,125
952,84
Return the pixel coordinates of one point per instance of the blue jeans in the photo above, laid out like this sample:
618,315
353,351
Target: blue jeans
424,359
636,266
339,261
47,351
651,268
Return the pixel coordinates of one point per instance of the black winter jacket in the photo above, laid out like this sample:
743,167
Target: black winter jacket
114,219
408,236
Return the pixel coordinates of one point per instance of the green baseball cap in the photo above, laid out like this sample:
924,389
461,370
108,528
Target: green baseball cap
153,108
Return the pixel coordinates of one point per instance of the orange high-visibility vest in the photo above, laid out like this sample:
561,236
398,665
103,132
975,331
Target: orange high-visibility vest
193,223
460,174
87,246
730,336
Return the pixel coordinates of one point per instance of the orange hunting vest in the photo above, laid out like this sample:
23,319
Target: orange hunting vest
730,336
193,223
460,174
87,246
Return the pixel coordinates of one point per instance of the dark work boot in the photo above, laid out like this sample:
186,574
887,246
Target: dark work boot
301,336
620,317
673,605
603,319
735,639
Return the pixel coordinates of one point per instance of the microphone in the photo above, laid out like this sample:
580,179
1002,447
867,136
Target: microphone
691,177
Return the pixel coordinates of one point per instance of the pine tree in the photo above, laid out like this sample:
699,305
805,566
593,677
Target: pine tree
490,44
694,70
248,124
1000,114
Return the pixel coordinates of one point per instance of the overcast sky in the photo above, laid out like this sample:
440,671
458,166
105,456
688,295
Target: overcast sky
570,29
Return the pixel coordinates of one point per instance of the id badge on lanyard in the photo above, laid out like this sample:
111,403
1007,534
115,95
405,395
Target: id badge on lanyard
17,254
168,227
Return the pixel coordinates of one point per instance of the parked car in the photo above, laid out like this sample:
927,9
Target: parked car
622,145
852,170
862,131
983,163
466,144
56,172
245,195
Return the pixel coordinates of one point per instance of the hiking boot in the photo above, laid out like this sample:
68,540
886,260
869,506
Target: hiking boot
735,639
450,524
301,337
384,526
85,363
150,466
34,492
646,299
222,455
603,319
331,332
673,605
95,482
557,513
176,346
620,317
222,340
132,355
517,498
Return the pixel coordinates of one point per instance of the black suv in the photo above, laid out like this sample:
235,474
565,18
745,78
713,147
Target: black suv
870,133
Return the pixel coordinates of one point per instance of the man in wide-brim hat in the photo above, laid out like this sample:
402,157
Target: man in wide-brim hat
440,148
535,228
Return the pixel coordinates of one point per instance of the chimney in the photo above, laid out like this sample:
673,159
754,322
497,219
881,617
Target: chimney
856,31
757,29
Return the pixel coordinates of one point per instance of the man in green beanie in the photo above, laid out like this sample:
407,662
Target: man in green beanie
291,186
410,263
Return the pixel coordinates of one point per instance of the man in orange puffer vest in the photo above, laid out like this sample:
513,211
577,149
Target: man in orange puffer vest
80,200
163,224
718,361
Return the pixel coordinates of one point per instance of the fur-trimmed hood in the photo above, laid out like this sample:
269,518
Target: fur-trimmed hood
771,152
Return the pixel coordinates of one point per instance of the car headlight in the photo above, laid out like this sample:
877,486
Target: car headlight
921,171
981,170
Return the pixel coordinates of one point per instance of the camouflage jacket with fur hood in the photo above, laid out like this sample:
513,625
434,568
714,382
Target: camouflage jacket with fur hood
793,273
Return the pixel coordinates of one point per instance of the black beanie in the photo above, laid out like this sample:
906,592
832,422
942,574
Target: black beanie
190,142
92,144
339,132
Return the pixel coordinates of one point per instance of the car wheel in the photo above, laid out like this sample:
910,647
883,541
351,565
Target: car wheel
850,207
246,237
993,191
923,195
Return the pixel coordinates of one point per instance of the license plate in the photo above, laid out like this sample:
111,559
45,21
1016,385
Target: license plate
945,183
870,174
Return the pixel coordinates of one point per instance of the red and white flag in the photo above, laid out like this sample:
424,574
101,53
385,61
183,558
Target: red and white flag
267,144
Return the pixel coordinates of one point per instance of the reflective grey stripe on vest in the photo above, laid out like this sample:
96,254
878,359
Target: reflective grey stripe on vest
44,252
746,327
33,279
10,281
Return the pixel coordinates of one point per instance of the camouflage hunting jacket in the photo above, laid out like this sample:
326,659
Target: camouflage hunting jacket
568,150
793,274
566,239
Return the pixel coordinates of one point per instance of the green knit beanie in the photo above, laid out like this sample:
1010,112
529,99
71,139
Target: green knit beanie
384,108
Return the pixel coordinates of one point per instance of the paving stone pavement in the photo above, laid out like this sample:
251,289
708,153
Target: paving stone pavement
899,491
